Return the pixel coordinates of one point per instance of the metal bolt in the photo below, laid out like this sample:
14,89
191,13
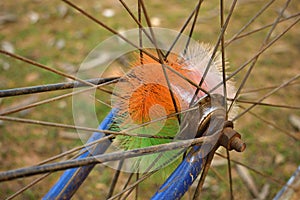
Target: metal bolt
230,139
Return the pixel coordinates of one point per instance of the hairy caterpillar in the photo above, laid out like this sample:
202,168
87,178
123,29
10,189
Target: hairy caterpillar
143,99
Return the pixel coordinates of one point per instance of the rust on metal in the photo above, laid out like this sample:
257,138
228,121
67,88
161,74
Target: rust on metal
230,139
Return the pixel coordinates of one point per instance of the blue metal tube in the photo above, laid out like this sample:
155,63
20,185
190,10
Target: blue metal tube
71,179
291,181
182,178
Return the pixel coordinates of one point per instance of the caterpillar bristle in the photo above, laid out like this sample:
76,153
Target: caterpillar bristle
144,100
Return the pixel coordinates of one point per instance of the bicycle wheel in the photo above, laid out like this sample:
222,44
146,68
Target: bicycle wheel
248,41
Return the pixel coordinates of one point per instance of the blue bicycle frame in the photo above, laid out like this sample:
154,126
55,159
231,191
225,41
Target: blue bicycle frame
173,188
71,179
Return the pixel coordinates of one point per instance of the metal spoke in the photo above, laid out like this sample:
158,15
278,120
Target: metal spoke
244,80
223,57
266,104
261,11
184,27
130,187
52,87
34,170
160,56
6,112
229,175
109,29
124,188
142,19
267,46
140,32
266,96
294,136
271,178
31,62
115,179
36,181
58,125
137,21
225,93
204,173
109,137
260,29
246,91
193,26
215,49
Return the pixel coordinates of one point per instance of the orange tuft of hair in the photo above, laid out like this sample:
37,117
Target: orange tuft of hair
147,96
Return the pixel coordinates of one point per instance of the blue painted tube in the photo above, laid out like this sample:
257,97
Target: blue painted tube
71,179
289,183
182,178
